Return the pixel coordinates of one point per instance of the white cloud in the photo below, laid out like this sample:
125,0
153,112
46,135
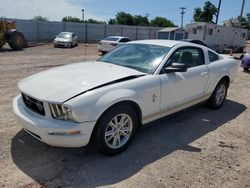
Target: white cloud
54,10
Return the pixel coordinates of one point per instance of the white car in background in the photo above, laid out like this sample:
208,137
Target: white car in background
106,101
66,39
111,42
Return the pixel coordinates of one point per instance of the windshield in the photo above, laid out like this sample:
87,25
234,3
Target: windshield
65,35
141,57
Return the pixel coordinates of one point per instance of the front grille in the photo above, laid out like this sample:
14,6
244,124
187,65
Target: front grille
33,104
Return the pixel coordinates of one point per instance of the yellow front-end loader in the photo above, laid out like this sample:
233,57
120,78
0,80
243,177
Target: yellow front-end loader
9,34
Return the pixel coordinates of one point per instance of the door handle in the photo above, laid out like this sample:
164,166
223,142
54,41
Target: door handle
204,73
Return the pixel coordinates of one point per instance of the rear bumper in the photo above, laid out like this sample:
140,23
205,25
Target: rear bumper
50,131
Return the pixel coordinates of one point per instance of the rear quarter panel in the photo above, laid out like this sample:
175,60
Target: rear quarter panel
225,66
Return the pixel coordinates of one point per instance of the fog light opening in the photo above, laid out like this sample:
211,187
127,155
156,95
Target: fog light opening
65,133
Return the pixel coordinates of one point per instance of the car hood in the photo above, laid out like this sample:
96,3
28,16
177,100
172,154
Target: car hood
62,83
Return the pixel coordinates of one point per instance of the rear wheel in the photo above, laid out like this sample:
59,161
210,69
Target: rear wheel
116,130
219,95
245,69
17,41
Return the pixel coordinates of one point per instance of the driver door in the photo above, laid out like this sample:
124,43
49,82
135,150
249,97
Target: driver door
180,89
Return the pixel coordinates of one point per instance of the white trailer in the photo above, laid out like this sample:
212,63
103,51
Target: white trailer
218,37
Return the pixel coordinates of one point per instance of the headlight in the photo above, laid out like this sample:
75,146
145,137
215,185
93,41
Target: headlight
61,112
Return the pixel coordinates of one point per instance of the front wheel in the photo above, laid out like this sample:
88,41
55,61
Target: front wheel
219,95
116,130
17,41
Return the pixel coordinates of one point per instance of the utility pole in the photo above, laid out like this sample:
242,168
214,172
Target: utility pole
147,15
182,14
241,13
218,13
82,14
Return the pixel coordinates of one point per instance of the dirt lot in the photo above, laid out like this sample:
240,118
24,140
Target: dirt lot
197,147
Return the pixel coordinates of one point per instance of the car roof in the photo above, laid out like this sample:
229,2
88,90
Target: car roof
187,40
67,32
117,37
167,43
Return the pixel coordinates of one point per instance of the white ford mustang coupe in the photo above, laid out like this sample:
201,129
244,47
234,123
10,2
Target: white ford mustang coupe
107,100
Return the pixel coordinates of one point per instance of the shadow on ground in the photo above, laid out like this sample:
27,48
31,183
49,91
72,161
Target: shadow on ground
51,166
3,49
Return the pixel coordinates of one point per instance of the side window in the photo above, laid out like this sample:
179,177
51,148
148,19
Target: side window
210,31
125,40
194,31
212,56
190,56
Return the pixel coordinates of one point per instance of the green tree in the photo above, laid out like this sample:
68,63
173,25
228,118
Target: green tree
140,20
198,14
161,22
71,19
245,23
40,18
112,21
248,17
90,20
207,14
123,18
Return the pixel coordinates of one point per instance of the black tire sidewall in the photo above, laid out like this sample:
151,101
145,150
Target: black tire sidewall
245,69
103,123
12,41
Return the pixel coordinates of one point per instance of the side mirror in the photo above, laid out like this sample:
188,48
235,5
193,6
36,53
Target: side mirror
176,67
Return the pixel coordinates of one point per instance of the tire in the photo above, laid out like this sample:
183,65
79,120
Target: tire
103,53
71,45
110,137
219,95
17,41
245,69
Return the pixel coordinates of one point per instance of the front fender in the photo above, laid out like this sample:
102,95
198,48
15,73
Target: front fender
90,106
112,98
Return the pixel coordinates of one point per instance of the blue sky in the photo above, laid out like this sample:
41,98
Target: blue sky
106,9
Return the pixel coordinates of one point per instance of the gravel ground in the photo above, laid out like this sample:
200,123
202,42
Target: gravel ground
197,147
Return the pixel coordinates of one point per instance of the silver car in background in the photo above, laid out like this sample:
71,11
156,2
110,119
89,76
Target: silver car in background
109,43
66,39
